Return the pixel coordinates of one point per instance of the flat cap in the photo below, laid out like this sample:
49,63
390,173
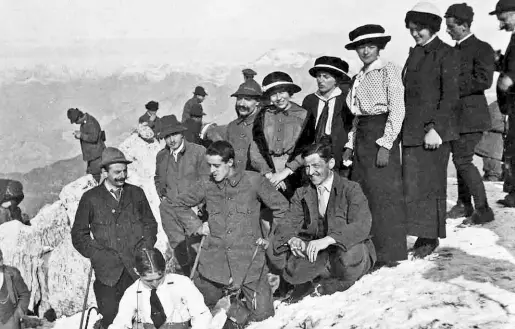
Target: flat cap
249,72
461,11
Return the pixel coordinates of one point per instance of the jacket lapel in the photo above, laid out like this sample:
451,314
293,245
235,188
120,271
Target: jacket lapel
312,203
331,204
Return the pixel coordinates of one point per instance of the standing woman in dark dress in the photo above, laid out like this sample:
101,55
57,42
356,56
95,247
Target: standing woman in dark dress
376,98
431,98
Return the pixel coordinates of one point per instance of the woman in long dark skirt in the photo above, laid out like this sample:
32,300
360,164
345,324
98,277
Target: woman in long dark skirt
432,95
377,100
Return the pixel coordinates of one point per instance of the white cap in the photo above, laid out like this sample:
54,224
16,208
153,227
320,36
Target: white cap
427,8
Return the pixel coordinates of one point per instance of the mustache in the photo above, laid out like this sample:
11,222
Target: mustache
241,107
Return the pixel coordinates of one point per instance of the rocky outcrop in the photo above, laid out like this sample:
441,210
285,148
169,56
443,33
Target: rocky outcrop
54,271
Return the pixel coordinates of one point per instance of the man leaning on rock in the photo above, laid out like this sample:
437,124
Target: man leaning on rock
113,220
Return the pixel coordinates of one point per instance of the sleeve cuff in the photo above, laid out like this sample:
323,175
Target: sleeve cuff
384,143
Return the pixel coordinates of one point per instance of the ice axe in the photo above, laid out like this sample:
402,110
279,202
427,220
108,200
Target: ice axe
85,305
195,264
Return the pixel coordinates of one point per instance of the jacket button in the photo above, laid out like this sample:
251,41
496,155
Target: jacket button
113,211
229,232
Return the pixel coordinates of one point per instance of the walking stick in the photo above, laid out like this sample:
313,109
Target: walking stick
85,305
194,268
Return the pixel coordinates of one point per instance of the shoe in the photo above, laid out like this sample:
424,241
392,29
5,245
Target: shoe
424,247
300,291
480,216
460,210
330,286
508,201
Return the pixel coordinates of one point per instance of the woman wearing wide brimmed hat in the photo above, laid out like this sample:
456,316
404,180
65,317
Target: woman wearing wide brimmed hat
377,100
332,116
280,133
430,78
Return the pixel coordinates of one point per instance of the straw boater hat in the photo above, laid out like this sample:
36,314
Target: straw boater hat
334,65
369,33
276,80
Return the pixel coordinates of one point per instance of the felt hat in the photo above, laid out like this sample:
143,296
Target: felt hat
503,6
200,91
170,125
276,80
369,33
112,155
334,65
249,88
152,106
249,72
74,114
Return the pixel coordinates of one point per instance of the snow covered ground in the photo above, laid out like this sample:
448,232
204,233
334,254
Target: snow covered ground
468,283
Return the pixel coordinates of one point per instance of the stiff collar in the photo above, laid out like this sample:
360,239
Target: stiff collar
181,148
328,182
459,42
234,179
110,187
336,92
378,64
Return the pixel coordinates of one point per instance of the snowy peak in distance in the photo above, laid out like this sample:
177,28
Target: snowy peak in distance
288,57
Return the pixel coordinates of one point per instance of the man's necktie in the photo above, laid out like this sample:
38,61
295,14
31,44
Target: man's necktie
322,121
322,204
157,313
117,193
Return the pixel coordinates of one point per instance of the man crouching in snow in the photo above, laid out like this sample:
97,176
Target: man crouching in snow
230,260
326,234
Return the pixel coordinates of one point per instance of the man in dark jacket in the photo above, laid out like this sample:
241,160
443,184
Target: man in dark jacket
91,138
327,233
14,296
113,220
476,76
198,97
178,166
328,105
505,12
150,118
193,125
11,195
230,259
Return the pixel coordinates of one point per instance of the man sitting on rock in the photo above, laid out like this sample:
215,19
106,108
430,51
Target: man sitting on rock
11,195
112,222
14,296
326,234
150,118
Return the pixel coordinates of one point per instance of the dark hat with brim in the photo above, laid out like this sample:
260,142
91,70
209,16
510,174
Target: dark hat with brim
112,155
197,111
249,88
169,125
200,91
503,6
152,106
250,72
333,65
279,80
370,33
74,115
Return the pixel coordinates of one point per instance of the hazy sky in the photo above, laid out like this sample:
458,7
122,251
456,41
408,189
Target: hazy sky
114,32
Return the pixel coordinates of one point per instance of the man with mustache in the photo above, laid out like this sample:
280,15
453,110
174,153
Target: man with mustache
229,260
113,220
179,165
326,234
239,131
505,12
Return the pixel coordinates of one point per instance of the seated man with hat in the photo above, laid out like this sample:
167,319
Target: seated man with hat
113,220
91,138
179,165
150,118
328,104
193,125
326,235
11,195
198,97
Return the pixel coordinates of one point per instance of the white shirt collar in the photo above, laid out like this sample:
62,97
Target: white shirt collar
327,183
376,65
110,186
335,93
179,149
430,39
465,38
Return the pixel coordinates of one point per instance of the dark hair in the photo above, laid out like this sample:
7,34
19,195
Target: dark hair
221,148
149,261
424,21
323,148
461,21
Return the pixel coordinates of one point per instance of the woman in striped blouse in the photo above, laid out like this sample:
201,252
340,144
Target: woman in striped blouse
377,100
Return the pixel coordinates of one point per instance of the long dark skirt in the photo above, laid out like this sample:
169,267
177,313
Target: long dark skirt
425,187
383,189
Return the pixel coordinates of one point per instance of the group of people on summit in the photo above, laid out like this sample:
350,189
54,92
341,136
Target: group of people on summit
295,200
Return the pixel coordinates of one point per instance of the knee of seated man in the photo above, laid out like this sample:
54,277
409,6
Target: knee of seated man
346,261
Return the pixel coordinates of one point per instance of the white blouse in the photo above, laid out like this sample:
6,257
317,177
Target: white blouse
181,301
